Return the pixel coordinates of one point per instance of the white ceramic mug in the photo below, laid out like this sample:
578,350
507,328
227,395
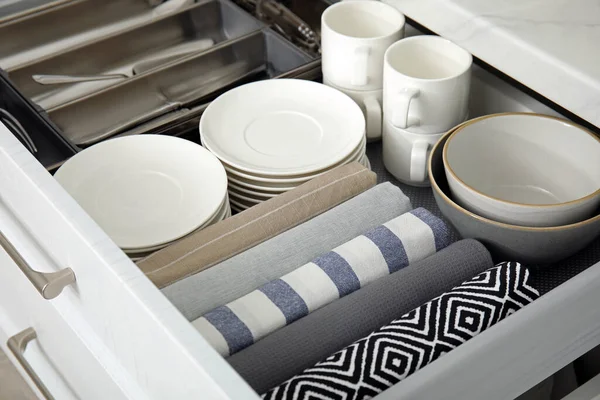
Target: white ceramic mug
426,84
354,38
405,153
369,102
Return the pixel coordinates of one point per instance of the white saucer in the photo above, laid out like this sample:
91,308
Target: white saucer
247,197
355,156
223,213
237,210
253,193
282,127
238,205
146,190
240,198
276,188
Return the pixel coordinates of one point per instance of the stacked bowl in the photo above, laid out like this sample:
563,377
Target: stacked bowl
147,191
526,185
272,136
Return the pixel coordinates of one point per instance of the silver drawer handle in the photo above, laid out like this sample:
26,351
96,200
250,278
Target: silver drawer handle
49,284
17,345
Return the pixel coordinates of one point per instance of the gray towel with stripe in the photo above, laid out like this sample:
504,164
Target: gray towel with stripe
298,346
383,250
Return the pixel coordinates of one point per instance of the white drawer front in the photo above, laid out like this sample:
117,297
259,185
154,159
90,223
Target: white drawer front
145,344
57,356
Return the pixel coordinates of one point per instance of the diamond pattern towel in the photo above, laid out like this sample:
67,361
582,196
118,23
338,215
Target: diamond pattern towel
397,350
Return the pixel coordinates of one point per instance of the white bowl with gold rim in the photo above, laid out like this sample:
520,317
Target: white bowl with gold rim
524,169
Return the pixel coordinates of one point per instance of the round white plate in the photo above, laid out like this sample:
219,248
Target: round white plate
252,193
277,187
222,213
282,127
238,206
355,156
240,198
263,187
236,209
146,190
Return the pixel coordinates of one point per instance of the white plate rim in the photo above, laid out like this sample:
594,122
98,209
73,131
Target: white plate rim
108,146
248,184
237,196
354,156
307,170
236,188
219,216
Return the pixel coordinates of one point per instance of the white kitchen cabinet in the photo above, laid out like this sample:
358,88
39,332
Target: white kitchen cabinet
111,334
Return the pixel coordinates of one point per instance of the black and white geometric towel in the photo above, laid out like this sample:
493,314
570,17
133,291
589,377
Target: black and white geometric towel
395,351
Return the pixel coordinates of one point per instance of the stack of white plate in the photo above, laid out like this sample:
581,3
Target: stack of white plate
147,191
274,135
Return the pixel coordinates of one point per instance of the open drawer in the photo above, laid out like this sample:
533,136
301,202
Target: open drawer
139,346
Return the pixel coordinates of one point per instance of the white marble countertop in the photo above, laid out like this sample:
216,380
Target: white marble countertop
550,46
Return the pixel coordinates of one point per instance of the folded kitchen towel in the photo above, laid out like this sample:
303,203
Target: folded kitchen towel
239,275
289,351
233,235
381,251
397,350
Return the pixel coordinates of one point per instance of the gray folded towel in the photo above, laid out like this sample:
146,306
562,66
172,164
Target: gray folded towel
409,238
307,341
196,295
397,350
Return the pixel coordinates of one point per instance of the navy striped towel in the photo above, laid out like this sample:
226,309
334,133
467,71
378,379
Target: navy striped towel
383,250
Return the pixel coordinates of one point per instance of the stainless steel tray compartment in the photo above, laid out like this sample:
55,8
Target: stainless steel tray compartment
184,122
64,21
219,20
52,148
22,8
189,82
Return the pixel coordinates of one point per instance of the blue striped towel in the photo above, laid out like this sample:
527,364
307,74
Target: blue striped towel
383,250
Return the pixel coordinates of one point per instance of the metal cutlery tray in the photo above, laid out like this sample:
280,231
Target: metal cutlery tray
22,8
52,147
191,81
170,97
65,20
216,20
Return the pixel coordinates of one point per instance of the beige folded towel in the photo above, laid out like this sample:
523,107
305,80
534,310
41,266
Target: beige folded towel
232,236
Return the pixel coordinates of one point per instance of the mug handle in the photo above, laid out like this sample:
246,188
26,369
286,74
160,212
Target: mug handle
361,60
400,118
373,113
418,161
